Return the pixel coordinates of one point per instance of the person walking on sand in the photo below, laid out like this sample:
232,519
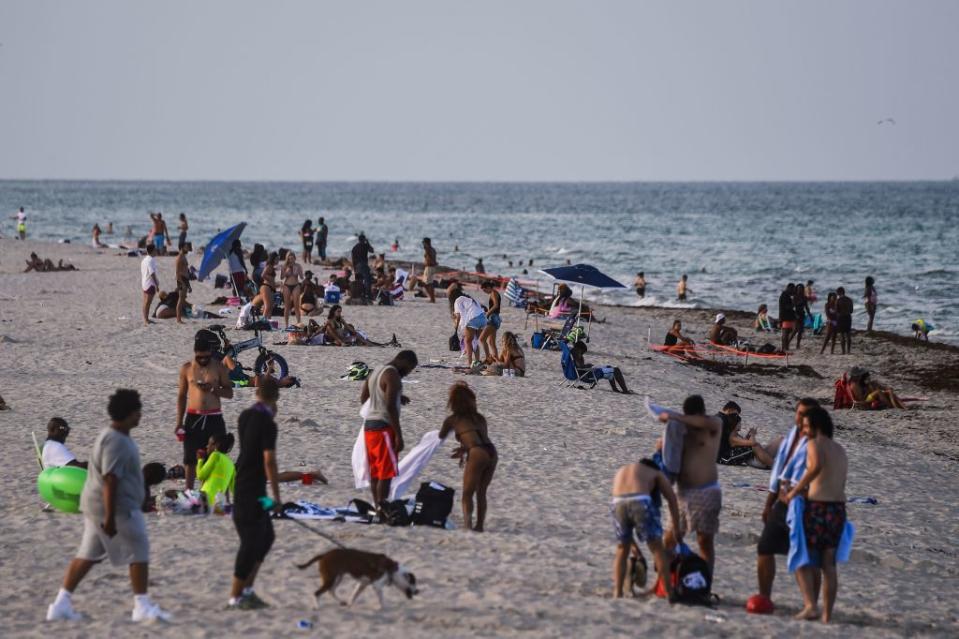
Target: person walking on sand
182,281
322,232
360,257
204,381
476,452
638,491
802,311
255,467
21,218
149,282
844,309
113,524
829,310
787,315
824,514
699,495
182,226
790,459
429,270
382,433
681,288
493,320
872,300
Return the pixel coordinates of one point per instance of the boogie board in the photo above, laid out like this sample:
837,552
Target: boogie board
61,487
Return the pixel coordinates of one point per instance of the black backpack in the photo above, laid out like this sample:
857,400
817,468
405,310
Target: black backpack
455,343
395,513
692,579
434,503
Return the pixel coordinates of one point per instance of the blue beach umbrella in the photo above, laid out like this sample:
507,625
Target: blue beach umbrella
217,249
584,275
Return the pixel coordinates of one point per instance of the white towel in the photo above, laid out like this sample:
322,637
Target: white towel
673,435
409,467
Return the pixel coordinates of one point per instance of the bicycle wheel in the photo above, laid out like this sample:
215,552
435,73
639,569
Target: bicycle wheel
270,363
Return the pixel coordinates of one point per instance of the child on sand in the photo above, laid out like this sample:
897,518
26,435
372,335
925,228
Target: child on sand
638,491
824,517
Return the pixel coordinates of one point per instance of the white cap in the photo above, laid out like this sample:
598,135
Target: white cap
719,318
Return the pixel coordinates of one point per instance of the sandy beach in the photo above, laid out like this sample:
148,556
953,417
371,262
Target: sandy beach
69,339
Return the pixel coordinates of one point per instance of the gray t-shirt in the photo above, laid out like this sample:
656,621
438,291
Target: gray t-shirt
117,454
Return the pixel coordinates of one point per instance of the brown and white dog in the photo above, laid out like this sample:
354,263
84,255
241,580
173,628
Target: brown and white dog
369,569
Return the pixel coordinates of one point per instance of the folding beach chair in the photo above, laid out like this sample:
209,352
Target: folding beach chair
572,375
515,293
553,338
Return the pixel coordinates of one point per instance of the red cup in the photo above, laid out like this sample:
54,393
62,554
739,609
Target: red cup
307,479
180,435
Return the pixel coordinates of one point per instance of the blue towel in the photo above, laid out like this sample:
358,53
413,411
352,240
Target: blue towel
798,553
780,460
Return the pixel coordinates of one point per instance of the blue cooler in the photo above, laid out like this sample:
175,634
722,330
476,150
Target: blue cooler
332,297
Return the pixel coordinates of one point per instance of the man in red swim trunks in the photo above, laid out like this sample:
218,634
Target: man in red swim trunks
381,426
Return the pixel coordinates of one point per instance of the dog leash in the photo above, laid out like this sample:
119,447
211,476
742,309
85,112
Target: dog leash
314,530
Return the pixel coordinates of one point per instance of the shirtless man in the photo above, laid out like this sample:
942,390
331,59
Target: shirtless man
182,281
381,426
638,490
721,334
824,518
844,308
700,497
204,381
161,237
640,284
429,268
681,289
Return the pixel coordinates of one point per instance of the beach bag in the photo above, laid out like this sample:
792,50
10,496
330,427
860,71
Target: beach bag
395,513
220,281
767,349
455,343
691,578
536,340
434,503
383,298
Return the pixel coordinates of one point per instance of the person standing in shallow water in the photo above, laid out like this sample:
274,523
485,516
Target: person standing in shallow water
640,284
681,288
872,300
844,309
787,315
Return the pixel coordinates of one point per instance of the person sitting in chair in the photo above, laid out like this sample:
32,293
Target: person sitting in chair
596,373
55,452
722,334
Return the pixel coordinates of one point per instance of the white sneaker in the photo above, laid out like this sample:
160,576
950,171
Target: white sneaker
62,611
151,612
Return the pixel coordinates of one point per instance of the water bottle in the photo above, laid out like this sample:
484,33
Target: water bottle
304,624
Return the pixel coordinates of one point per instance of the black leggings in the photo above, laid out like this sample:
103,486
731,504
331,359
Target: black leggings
256,539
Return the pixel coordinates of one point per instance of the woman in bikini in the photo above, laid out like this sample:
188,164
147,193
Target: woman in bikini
872,300
678,343
342,333
267,287
291,274
832,320
510,358
237,267
183,227
476,452
308,296
493,321
307,233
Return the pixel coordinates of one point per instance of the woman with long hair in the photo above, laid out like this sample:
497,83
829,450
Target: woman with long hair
306,234
290,275
493,321
872,300
267,287
510,357
183,227
468,317
309,302
237,267
829,309
476,452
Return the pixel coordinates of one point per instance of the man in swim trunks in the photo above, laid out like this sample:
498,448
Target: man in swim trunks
21,217
721,334
774,539
787,315
204,381
322,231
700,497
640,284
182,281
149,281
681,289
160,235
381,425
824,516
638,491
844,309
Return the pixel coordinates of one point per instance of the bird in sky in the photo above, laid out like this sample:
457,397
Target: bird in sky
886,121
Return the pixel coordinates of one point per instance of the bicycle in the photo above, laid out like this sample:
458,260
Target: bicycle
267,363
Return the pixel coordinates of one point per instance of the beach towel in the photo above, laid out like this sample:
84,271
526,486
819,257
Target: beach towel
307,510
408,468
673,435
780,461
798,552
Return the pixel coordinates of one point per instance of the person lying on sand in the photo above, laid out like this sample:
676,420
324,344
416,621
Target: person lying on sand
340,332
46,265
638,491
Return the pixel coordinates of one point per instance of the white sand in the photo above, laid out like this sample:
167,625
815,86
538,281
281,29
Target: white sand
67,340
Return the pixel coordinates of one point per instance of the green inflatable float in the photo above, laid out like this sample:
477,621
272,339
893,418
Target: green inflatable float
61,487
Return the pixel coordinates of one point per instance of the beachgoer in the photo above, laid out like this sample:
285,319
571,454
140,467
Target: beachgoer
468,319
239,378
113,524
34,264
429,269
182,281
290,276
511,358
699,495
258,258
149,281
480,268
762,322
341,332
493,320
310,301
161,237
562,304
640,284
824,514
595,373
96,237
844,309
255,467
21,218
872,299
55,452
921,328
638,492
307,233
216,471
829,310
787,315
204,381
790,459
359,257
396,245
721,334
379,262
870,394
237,267
322,232
476,452
267,287
811,296
182,226
675,341
736,450
681,288
802,311
381,426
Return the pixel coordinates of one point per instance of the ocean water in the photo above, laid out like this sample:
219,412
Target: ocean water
740,243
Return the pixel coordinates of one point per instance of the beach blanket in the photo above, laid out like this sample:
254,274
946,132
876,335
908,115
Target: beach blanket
798,552
673,435
307,510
